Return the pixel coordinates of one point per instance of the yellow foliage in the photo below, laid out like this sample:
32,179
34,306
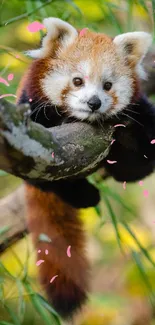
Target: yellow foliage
23,34
100,317
108,234
140,12
90,218
19,255
6,59
90,9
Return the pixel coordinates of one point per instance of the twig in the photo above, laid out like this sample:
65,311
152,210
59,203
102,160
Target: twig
27,14
9,241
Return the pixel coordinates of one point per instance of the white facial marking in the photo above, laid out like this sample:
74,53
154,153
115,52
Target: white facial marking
77,98
53,84
94,86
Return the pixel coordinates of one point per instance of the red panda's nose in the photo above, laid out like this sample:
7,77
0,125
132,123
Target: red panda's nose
94,103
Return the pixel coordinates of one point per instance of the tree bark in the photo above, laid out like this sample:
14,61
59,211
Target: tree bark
30,151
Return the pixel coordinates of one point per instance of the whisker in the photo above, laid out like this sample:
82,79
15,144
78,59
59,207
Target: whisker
73,95
45,113
134,104
131,118
130,110
57,111
37,115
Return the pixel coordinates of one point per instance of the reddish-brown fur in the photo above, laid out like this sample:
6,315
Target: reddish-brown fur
31,80
49,215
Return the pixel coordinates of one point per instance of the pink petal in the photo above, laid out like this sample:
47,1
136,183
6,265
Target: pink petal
39,251
112,141
115,126
2,80
146,193
69,251
124,185
40,262
153,141
54,277
111,161
30,99
10,76
35,27
46,251
53,154
141,183
82,32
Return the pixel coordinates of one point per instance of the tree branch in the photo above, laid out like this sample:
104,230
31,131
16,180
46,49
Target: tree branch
30,151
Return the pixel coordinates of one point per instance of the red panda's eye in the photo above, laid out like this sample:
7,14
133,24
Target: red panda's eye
77,82
107,86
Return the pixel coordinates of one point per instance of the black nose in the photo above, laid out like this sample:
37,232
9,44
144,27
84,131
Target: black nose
94,103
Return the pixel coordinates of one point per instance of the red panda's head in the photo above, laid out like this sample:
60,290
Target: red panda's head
89,73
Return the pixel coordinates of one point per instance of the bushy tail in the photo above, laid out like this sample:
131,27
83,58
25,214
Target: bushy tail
63,267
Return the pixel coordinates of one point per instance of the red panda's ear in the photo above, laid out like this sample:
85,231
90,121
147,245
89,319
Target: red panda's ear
60,34
134,47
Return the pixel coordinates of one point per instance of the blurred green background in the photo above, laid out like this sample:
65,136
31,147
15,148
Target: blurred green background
121,230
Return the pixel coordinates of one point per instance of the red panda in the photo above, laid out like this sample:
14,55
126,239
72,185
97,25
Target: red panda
76,76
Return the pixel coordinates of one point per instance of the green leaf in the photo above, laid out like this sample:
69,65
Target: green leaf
12,315
37,303
143,274
143,4
98,210
153,13
21,301
2,290
74,5
6,272
118,199
114,220
113,18
144,251
49,308
5,323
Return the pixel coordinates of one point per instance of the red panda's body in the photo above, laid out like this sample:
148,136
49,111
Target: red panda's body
89,77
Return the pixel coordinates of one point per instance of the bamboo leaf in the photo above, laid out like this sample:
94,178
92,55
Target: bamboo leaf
144,251
49,308
74,5
21,301
12,314
5,323
114,220
37,303
143,274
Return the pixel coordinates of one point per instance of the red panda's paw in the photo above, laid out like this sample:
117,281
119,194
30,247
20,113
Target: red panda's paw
66,297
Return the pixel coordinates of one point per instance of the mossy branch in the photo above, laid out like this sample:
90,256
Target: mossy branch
30,151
